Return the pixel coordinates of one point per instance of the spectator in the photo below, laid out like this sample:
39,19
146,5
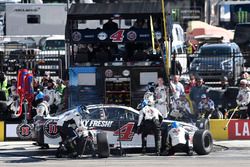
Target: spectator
3,84
244,75
191,83
224,83
176,87
110,25
176,68
196,92
82,54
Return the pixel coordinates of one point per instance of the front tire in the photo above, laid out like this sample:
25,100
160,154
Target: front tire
103,145
203,142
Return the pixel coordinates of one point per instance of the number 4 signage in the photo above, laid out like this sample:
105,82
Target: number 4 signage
118,36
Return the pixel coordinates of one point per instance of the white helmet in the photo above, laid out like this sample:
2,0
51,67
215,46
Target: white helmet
149,96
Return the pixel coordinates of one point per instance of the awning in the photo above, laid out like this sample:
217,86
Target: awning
114,10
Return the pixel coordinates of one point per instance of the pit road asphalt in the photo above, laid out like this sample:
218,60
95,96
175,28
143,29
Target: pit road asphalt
225,154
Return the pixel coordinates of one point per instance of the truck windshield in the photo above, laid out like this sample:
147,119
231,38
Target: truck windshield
214,51
54,45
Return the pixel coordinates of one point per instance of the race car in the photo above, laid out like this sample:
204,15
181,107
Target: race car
120,125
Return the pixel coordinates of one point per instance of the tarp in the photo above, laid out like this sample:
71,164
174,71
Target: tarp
120,10
197,28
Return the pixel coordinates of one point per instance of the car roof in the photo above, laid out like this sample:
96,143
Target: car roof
111,106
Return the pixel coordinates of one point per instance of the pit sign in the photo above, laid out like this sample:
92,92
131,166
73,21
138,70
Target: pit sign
239,129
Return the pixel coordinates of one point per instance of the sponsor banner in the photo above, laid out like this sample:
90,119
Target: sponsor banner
122,35
1,131
217,129
239,130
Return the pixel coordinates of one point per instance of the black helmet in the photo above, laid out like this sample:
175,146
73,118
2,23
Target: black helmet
151,86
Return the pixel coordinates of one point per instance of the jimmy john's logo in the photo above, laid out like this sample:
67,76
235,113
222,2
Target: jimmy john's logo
50,129
24,131
98,123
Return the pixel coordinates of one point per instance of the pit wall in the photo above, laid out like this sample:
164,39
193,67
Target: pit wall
237,129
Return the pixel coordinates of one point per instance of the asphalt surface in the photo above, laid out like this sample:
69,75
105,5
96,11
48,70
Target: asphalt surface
226,153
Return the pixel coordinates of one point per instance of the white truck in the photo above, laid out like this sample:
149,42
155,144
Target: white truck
36,21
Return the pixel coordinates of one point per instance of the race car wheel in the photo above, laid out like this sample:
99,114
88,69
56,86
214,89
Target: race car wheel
203,124
203,142
102,145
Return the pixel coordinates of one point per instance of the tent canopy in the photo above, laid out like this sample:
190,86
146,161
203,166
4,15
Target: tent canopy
114,10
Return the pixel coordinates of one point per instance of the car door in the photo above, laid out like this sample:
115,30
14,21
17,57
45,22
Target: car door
125,127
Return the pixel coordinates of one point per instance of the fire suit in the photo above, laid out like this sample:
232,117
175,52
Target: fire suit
161,100
149,123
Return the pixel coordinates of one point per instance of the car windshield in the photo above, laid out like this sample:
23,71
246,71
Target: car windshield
214,51
54,45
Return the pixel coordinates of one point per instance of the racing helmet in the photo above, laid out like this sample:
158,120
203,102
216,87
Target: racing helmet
149,97
175,124
203,96
39,96
151,86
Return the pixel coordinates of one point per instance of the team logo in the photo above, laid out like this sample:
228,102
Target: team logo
76,36
131,35
50,129
24,131
102,36
108,73
158,35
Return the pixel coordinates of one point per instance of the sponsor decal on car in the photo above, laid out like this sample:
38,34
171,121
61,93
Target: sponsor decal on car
98,123
125,133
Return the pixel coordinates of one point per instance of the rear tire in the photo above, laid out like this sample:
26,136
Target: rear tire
203,142
103,145
203,124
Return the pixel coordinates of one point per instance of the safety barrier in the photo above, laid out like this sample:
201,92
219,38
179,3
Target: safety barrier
237,129
1,131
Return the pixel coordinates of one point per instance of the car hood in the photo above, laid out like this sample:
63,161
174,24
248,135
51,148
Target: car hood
61,115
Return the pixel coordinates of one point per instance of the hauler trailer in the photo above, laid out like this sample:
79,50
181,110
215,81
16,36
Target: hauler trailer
35,20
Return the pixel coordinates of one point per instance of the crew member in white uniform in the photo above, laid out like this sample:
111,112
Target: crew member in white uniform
206,106
149,122
243,97
161,98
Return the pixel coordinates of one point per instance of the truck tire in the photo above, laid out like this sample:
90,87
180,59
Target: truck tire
102,145
203,142
202,124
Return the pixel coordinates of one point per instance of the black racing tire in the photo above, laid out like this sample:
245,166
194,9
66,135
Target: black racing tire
102,145
203,124
203,142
